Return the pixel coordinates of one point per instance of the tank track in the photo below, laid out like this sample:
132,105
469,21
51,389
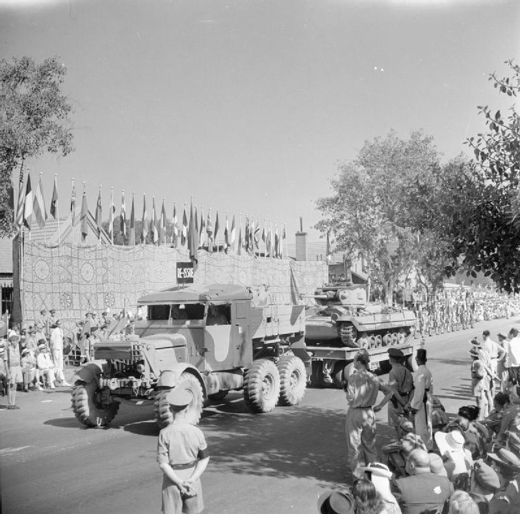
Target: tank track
346,333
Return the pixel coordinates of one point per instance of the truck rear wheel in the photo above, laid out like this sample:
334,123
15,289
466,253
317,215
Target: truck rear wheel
87,409
163,415
262,386
293,379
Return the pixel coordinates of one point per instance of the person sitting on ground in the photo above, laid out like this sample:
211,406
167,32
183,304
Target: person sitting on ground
494,420
457,460
28,364
483,434
380,476
45,365
397,453
462,503
422,491
484,484
472,440
368,500
437,465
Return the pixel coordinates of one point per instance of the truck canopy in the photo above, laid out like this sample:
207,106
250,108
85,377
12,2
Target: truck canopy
198,293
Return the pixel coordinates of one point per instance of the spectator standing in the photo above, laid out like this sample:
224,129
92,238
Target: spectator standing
400,381
56,344
183,458
421,402
42,322
3,368
14,367
360,422
480,381
512,347
421,491
496,353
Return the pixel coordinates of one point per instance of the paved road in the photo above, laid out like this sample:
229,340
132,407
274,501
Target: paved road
274,463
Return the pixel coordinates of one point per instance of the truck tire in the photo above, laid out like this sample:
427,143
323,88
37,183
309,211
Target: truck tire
163,415
293,379
87,410
262,386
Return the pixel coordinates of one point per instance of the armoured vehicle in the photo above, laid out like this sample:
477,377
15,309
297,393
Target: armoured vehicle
209,339
342,322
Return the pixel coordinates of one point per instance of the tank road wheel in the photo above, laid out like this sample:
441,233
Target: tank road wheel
87,408
187,381
348,335
262,386
292,380
379,340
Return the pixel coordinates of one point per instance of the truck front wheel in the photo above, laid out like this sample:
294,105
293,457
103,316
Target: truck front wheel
262,386
187,381
292,380
87,408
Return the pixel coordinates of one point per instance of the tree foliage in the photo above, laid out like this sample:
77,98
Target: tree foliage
369,213
33,120
476,204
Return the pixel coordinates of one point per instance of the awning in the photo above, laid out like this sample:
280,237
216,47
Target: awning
6,282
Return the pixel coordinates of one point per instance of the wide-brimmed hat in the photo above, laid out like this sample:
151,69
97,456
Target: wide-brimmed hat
501,334
437,465
474,352
334,502
486,477
378,469
476,342
506,459
449,442
12,334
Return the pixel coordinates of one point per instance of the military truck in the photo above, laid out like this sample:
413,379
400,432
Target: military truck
342,321
208,339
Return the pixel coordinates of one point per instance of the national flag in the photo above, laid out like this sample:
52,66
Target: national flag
276,242
282,239
144,222
123,216
246,236
162,225
217,226
239,246
269,241
131,231
193,236
39,209
20,206
153,224
10,200
54,199
232,234
111,215
209,231
184,232
202,228
226,234
264,235
175,228
73,205
99,215
256,235
328,253
84,217
28,209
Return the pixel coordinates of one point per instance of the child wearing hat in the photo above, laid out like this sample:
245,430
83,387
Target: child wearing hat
183,457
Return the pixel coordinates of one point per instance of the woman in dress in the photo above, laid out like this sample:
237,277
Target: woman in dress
183,457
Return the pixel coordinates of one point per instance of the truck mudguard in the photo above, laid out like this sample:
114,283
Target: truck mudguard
170,377
91,371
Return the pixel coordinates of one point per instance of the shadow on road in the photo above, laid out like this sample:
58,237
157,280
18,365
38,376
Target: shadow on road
460,392
455,362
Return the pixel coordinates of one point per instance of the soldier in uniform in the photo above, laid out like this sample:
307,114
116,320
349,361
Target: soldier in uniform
360,423
421,402
183,457
400,380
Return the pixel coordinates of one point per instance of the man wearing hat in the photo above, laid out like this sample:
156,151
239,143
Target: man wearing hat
14,368
495,352
501,363
421,402
56,344
422,491
485,482
507,466
183,457
46,368
360,422
457,460
400,380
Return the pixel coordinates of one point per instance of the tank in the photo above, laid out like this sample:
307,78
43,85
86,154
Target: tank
344,317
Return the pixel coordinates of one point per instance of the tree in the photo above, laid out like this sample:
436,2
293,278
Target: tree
33,120
476,204
369,212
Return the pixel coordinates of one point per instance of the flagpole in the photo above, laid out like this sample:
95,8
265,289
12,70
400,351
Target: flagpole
42,214
84,194
286,247
57,210
72,216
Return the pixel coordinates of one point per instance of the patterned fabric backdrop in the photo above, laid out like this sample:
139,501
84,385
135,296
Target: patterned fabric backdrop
74,279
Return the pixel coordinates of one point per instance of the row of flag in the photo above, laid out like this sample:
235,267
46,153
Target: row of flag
193,230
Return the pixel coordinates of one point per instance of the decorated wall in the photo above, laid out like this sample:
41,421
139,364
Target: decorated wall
74,279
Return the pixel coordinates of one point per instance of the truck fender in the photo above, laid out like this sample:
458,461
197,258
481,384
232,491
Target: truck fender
90,371
170,377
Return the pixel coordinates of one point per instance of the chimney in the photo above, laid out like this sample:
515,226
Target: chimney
301,243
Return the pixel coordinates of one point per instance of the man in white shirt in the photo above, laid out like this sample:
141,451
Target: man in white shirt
56,344
495,352
512,347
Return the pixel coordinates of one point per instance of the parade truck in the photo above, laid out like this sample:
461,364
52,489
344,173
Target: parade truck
208,339
342,321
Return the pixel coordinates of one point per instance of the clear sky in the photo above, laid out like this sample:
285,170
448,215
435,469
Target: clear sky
248,106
